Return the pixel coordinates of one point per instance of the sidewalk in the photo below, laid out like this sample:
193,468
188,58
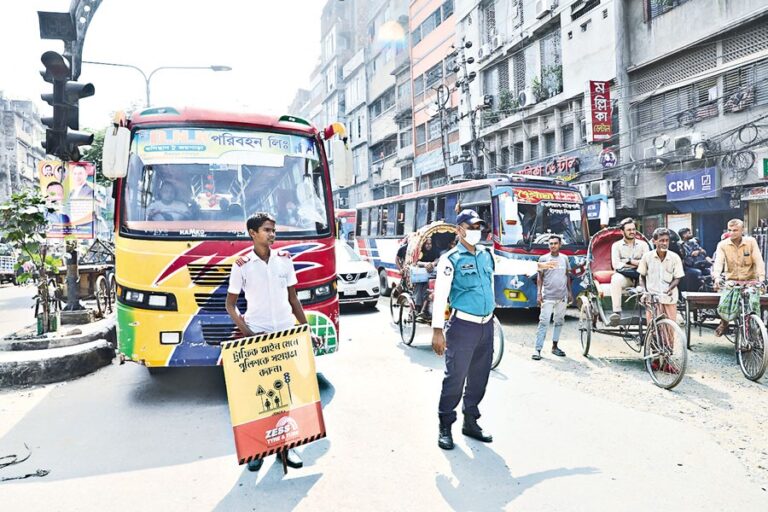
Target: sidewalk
73,351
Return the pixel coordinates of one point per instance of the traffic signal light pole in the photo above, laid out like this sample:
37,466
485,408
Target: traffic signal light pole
62,138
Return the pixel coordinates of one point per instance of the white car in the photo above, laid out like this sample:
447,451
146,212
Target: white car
357,279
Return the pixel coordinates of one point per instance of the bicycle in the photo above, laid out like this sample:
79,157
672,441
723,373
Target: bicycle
664,345
749,331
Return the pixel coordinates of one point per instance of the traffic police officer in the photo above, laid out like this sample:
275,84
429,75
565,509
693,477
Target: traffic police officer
465,279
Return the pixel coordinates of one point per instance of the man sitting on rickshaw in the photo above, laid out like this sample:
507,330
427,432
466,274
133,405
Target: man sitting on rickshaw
737,258
625,257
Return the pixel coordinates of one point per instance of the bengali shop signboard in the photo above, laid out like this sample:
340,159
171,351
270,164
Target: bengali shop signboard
598,104
566,167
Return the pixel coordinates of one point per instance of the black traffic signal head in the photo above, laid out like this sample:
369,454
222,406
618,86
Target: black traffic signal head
61,137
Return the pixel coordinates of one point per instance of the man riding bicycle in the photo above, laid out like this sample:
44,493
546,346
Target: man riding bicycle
737,258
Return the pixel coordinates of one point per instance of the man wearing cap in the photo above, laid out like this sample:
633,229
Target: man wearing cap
465,280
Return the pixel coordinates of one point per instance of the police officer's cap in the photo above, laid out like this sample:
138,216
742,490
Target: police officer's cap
469,216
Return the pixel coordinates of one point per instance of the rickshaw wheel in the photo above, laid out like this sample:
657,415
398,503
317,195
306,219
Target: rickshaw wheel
112,289
394,306
585,326
498,343
751,352
407,319
665,353
102,295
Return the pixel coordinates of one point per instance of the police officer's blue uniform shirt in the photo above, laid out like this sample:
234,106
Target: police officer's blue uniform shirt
466,280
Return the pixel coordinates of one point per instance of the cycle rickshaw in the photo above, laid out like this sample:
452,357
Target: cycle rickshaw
402,305
747,331
661,341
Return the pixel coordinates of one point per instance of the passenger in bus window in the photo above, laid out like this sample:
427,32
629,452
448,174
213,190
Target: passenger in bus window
167,206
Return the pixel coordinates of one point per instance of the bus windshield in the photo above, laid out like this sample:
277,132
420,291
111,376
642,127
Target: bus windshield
204,183
530,216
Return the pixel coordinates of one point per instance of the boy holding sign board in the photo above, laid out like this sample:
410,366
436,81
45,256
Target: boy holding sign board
268,279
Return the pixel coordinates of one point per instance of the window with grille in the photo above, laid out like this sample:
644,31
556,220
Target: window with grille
518,154
433,128
489,21
518,72
674,69
421,134
406,172
551,63
549,144
418,85
659,7
748,41
382,103
383,149
447,9
745,87
406,139
504,158
433,74
517,13
567,135
681,107
534,143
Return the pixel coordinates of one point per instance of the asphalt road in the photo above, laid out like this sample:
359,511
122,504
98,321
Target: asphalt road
122,440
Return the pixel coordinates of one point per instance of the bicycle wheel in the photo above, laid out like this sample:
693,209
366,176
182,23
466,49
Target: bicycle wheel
688,322
665,353
102,296
394,307
585,326
407,320
751,351
498,343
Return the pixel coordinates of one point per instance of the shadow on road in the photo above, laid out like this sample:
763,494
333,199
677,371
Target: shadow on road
122,419
275,491
485,482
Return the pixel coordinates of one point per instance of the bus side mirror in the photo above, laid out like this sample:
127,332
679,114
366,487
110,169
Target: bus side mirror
511,217
342,161
117,145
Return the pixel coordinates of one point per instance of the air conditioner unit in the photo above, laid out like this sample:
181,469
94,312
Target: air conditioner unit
605,187
684,144
483,52
496,41
543,7
584,189
526,98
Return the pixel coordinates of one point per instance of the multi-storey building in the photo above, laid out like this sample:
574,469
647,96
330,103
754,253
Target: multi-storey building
300,104
385,34
432,27
698,73
533,60
21,133
404,109
356,184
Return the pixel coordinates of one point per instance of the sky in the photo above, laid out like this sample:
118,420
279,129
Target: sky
272,46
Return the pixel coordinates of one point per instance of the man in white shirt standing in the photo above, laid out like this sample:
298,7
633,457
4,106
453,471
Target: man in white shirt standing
269,282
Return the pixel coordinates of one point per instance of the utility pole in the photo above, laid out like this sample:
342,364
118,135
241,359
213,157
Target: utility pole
443,96
464,85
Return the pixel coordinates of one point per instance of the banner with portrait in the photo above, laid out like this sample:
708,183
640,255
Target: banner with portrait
274,398
68,187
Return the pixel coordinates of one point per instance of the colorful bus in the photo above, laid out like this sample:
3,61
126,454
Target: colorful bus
187,180
521,213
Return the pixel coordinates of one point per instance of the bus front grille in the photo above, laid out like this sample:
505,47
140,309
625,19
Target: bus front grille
216,303
209,275
214,334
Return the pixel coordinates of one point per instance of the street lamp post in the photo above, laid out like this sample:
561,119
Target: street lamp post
148,77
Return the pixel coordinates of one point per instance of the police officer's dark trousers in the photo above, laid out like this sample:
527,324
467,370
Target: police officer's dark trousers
468,357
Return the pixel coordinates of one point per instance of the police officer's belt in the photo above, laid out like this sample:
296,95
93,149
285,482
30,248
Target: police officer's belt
472,318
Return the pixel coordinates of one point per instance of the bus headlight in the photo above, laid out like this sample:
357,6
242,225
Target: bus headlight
147,300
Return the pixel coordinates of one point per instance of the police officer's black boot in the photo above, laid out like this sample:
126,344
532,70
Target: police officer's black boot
473,430
445,439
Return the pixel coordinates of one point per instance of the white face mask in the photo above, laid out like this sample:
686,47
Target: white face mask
472,236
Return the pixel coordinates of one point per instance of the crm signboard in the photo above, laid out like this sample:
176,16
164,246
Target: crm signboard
698,184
